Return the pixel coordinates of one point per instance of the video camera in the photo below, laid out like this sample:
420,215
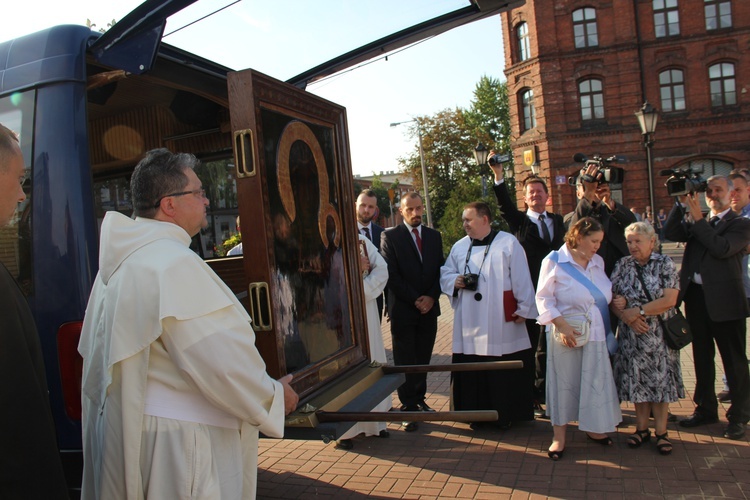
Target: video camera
605,173
683,181
498,159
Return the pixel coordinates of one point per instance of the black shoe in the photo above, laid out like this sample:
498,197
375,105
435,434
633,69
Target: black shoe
384,434
724,397
697,419
344,444
477,426
671,417
734,430
410,426
605,441
503,425
555,455
410,408
424,407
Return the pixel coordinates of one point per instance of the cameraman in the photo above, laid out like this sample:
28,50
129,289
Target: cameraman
595,200
715,303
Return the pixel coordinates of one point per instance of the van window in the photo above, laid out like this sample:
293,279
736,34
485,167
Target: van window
17,113
218,180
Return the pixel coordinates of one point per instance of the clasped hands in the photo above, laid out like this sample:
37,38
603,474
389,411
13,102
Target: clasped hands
424,303
631,316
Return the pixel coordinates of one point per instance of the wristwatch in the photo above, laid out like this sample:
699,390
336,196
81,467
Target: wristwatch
642,312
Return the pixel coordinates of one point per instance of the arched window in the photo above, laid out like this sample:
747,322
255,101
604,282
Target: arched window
527,110
718,14
666,18
584,28
722,84
522,37
672,90
592,99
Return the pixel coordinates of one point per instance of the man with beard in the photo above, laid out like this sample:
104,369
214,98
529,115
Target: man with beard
367,209
414,254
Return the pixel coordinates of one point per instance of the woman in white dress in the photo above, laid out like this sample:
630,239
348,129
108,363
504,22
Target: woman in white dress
375,277
580,385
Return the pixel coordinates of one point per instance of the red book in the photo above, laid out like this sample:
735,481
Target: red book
510,305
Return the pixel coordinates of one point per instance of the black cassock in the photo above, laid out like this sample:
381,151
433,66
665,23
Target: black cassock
30,465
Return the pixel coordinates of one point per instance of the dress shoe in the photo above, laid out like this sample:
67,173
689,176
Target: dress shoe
735,430
344,444
410,426
424,407
697,419
410,408
384,434
605,441
724,397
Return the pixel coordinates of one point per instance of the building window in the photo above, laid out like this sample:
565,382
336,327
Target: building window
592,99
666,18
672,90
527,109
722,84
524,47
584,28
718,14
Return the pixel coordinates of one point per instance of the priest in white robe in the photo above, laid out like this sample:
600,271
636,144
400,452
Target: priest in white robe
483,330
174,391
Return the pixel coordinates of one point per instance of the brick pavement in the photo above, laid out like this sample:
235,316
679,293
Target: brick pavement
449,460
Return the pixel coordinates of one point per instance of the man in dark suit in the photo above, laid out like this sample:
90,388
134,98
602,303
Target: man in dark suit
715,302
539,232
30,464
367,209
414,254
595,200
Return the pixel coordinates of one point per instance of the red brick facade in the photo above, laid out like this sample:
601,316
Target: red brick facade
627,60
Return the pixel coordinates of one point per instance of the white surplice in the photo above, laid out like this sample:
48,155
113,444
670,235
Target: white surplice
479,327
374,284
169,358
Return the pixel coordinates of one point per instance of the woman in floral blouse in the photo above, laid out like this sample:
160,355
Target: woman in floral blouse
647,372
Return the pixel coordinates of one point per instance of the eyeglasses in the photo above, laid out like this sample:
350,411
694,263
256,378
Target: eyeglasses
197,192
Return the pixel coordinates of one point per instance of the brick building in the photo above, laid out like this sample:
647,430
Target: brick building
577,70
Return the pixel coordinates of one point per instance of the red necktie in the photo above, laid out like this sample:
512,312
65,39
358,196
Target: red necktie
419,240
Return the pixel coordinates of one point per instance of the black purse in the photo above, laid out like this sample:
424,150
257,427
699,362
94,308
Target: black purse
676,329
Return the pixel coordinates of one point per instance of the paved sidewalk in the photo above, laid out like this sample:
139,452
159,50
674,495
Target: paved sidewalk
449,460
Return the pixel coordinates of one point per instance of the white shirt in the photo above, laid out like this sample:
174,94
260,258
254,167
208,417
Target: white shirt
479,327
534,216
559,294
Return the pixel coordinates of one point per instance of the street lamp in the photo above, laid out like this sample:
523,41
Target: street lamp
480,155
428,208
647,118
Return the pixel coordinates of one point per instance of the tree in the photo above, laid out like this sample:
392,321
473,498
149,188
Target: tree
448,139
381,192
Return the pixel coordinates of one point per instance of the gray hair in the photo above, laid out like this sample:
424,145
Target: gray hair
642,228
730,184
159,173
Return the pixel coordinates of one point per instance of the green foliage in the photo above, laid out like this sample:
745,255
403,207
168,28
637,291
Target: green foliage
228,244
451,225
448,138
381,192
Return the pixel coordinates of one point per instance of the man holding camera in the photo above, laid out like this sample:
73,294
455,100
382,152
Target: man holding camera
539,232
715,302
595,200
477,276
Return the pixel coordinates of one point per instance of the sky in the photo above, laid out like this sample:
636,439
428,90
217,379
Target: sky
283,38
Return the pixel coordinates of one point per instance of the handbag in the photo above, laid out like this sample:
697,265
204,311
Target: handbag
676,329
579,324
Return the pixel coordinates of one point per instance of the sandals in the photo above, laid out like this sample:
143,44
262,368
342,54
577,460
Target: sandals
663,444
555,455
638,438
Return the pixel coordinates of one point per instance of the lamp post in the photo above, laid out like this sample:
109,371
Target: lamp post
647,118
480,155
428,208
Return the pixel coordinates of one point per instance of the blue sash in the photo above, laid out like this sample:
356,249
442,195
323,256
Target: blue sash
599,299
